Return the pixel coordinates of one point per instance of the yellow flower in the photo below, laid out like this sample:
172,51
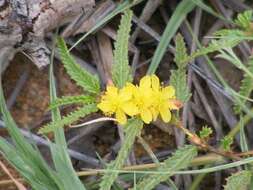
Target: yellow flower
148,101
118,101
142,97
164,100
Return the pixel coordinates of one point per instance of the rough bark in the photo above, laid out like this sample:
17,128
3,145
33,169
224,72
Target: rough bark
23,24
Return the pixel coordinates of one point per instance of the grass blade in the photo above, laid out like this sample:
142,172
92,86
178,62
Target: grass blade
176,20
24,157
62,162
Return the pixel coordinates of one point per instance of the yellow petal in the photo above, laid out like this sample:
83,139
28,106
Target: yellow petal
145,82
121,117
155,113
168,92
130,108
146,116
106,107
165,114
111,91
155,82
125,93
130,85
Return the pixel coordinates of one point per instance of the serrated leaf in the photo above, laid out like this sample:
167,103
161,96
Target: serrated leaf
121,72
71,100
244,19
89,82
240,180
215,45
205,132
132,129
181,54
232,33
70,118
178,80
180,160
246,87
226,143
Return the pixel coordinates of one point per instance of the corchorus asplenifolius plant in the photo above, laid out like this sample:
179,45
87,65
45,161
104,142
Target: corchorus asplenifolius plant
132,105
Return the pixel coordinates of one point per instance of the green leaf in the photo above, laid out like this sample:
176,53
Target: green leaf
83,78
229,33
244,19
181,54
28,171
240,180
176,20
205,132
178,77
71,100
132,129
67,175
179,81
180,160
24,157
214,45
246,87
226,143
121,72
70,118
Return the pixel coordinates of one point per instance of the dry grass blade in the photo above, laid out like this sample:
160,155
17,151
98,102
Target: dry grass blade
19,185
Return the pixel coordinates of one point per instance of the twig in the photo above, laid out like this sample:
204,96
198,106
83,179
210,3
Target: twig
19,85
19,185
147,12
102,119
203,145
211,158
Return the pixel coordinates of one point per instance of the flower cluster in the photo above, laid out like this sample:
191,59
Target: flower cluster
147,101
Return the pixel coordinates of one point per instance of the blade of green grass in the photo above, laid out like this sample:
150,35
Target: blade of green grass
59,151
176,20
24,157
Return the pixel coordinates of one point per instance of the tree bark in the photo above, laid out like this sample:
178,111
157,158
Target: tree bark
24,23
